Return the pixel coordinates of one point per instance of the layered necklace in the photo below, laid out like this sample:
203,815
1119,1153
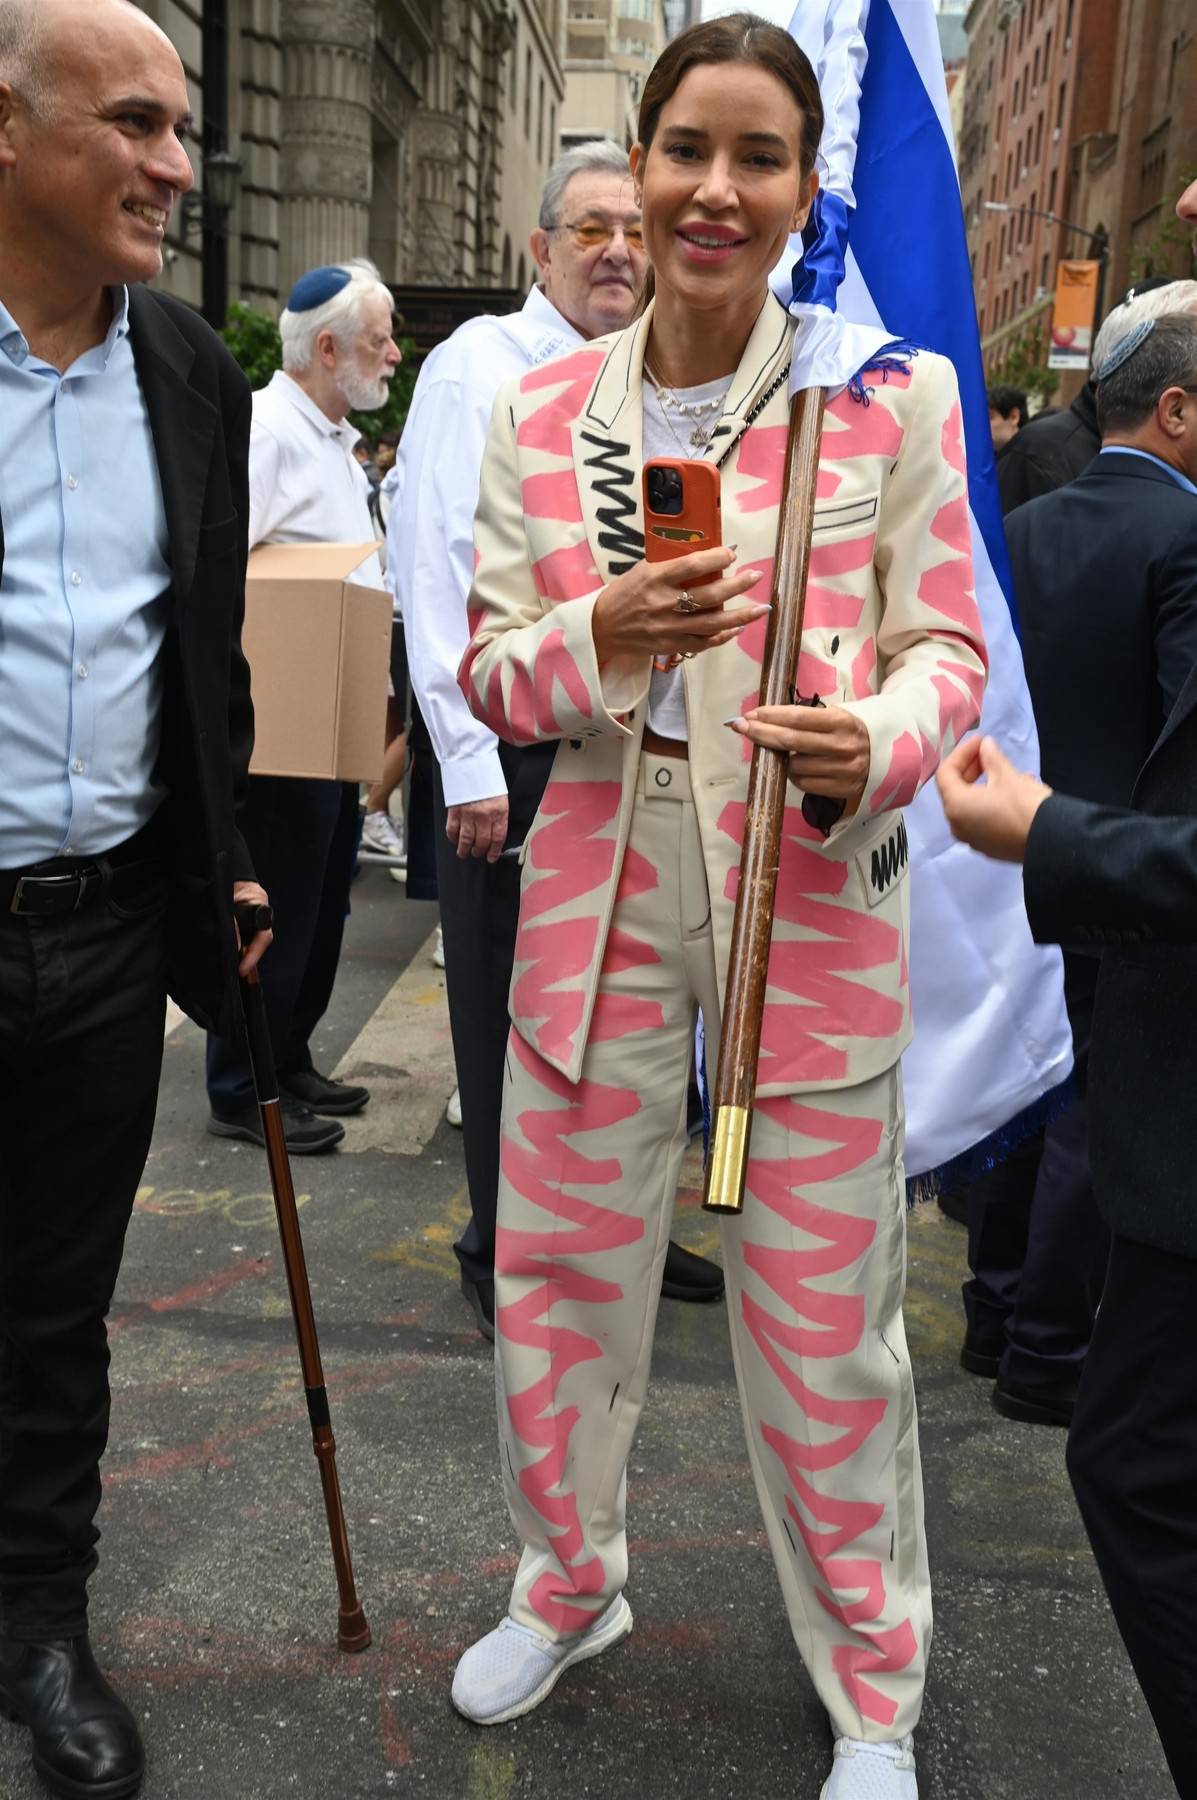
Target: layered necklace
705,414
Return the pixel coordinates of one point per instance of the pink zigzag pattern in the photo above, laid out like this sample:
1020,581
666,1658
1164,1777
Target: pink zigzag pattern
568,843
617,1015
570,378
825,1002
523,711
548,1259
829,1325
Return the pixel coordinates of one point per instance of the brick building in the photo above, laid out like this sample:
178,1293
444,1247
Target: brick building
1086,109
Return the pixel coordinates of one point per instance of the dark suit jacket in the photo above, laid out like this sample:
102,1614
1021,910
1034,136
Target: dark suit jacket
1105,581
1100,876
198,403
1049,451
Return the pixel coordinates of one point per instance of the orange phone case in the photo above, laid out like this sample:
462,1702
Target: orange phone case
698,526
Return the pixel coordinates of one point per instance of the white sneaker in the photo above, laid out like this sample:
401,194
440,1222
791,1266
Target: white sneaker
512,1669
872,1771
383,836
438,949
453,1110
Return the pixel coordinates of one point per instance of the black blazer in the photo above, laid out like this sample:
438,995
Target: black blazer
198,403
1049,451
1105,581
1101,876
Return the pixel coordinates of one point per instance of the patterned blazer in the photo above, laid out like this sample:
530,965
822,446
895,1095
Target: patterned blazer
892,632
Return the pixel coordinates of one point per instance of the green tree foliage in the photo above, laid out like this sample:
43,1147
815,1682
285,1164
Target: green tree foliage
253,338
1025,366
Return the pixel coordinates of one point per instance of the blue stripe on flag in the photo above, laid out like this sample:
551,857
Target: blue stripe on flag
914,263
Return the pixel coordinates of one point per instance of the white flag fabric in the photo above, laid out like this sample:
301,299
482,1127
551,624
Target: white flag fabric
884,258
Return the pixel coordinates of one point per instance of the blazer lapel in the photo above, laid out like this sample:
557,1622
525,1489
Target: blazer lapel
183,424
608,452
766,358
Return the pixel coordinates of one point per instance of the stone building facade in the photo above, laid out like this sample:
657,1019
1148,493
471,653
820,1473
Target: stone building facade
610,46
417,132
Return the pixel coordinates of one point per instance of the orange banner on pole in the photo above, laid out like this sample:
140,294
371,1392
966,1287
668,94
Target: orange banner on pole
1072,315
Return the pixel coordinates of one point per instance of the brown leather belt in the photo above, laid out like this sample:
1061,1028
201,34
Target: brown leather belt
663,746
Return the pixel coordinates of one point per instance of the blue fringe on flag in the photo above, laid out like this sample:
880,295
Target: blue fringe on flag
960,1170
893,358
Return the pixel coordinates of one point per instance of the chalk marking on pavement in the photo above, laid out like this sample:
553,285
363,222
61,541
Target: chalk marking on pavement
404,1055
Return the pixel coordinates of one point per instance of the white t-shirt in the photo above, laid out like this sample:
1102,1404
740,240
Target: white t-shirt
667,692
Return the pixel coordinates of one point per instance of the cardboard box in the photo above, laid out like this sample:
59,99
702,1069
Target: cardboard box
319,649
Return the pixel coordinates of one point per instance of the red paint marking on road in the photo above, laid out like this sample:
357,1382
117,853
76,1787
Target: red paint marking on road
205,1376
728,1540
195,1293
719,1475
214,1451
503,1564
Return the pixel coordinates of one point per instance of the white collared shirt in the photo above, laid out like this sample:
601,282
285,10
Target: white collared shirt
304,485
433,490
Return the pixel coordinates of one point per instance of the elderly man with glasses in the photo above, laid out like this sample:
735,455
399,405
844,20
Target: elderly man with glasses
590,263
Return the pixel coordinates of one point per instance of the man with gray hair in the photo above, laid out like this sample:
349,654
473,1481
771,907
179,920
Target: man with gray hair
306,486
1105,581
589,255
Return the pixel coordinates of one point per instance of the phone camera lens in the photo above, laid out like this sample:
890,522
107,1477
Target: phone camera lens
665,491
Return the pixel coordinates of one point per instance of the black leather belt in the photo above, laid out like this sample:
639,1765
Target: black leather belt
67,884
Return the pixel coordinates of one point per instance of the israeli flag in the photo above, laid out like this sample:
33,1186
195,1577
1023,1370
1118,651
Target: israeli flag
884,257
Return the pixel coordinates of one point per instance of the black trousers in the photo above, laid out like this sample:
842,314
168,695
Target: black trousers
421,815
302,836
82,1013
1037,1249
1132,1456
480,909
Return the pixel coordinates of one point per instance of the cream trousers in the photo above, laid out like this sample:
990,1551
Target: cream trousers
815,1269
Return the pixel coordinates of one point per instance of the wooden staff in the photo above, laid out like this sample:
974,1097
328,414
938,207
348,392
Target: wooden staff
353,1633
752,929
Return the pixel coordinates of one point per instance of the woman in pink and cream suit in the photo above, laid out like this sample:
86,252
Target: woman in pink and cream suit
648,682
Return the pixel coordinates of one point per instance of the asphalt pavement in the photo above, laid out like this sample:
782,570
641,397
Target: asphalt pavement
214,1608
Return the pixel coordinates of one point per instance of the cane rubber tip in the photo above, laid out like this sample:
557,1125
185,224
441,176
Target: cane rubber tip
353,1634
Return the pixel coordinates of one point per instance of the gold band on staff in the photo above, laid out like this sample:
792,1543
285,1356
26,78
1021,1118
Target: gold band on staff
752,928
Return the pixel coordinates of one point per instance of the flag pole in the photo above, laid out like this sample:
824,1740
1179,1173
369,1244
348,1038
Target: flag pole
752,929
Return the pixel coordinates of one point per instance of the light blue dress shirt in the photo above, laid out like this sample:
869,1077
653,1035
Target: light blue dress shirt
84,600
1182,481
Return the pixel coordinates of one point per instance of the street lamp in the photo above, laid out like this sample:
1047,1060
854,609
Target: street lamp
1100,239
206,216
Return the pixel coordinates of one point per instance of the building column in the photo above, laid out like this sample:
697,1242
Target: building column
325,151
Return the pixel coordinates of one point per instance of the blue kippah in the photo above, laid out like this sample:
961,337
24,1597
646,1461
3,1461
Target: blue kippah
1125,348
317,286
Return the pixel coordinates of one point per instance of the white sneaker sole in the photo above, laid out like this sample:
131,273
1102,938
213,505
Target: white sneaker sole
593,1644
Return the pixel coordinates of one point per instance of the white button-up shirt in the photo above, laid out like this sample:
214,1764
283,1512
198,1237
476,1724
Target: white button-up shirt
304,485
433,491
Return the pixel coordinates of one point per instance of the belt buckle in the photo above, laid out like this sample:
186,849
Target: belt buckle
52,883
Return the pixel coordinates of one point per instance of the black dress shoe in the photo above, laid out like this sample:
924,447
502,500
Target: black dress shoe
85,1742
323,1095
481,1296
304,1132
1043,1404
980,1358
690,1277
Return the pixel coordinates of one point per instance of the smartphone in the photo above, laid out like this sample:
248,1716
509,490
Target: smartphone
681,510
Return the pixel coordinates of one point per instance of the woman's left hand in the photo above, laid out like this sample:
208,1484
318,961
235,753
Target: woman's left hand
827,746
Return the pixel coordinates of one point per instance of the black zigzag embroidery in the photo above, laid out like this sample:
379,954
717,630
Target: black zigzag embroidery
889,858
618,537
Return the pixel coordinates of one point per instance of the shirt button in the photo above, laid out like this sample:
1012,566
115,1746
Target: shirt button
78,765
76,578
83,671
72,481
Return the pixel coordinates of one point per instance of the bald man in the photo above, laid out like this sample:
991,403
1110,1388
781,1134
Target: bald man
125,734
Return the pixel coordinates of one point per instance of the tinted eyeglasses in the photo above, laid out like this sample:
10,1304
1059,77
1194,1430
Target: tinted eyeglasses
588,234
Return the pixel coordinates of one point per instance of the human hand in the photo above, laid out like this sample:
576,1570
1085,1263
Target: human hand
827,747
251,893
479,828
995,819
638,614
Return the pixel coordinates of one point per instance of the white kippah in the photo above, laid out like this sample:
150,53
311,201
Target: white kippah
1125,348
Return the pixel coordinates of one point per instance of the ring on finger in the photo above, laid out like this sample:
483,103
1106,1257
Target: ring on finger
686,603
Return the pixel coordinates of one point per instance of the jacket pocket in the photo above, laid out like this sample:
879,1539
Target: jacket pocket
836,517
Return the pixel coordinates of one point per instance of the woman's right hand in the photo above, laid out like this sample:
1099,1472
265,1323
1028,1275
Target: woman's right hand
637,613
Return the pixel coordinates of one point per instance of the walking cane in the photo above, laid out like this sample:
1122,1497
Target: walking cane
752,927
353,1633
